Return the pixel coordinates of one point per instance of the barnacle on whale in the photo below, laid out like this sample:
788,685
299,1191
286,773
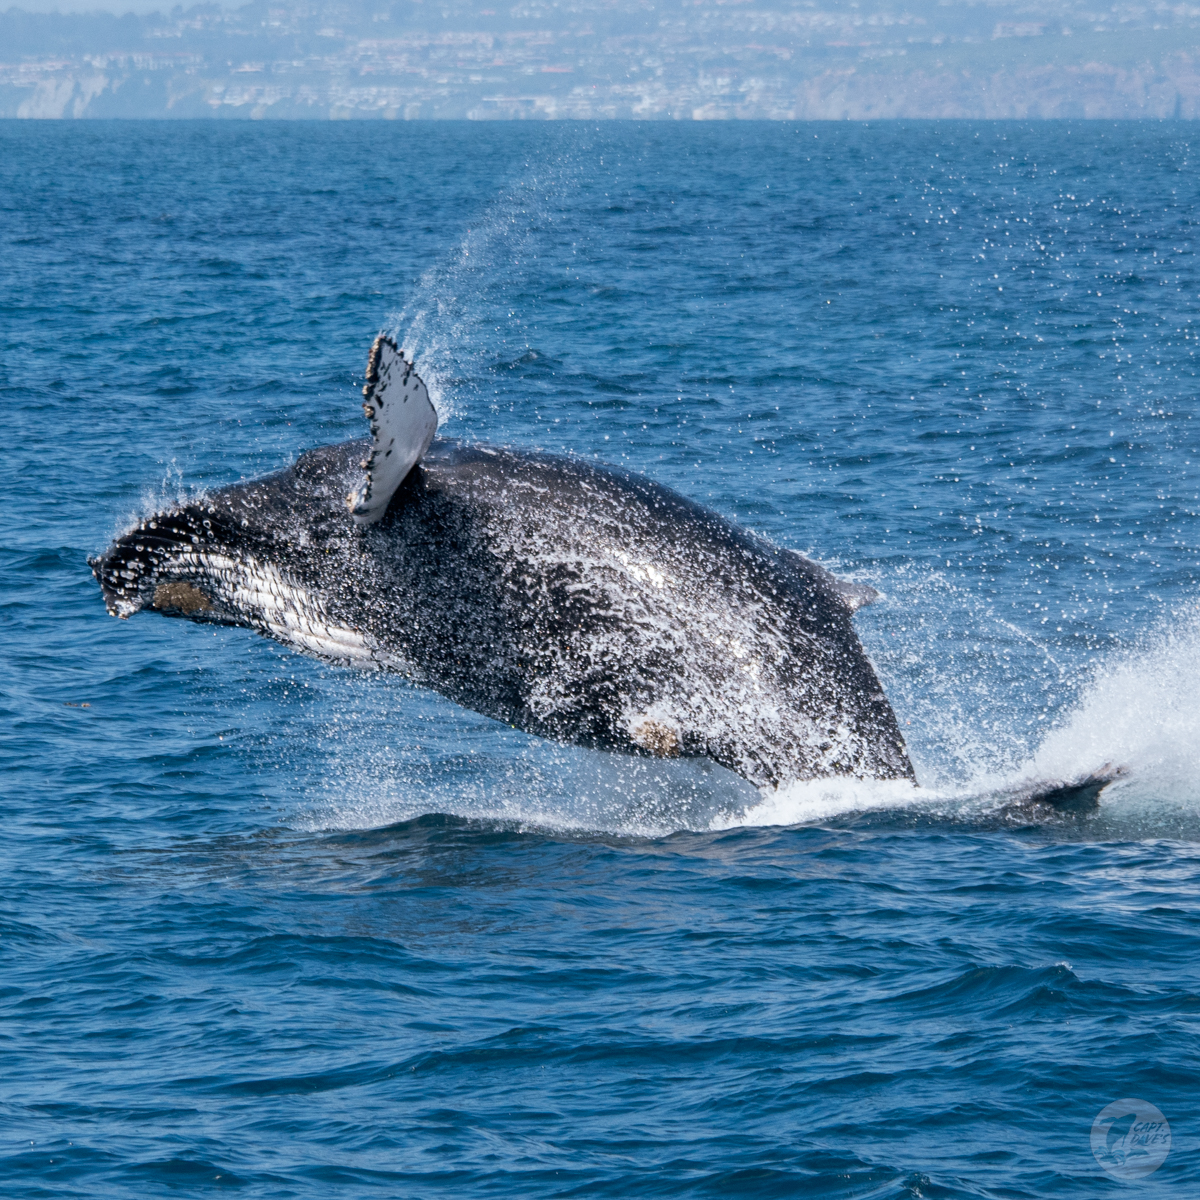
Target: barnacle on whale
181,596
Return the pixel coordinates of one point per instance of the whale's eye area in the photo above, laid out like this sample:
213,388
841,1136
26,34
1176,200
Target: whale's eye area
181,597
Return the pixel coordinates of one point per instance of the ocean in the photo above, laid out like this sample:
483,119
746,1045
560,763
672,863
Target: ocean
283,929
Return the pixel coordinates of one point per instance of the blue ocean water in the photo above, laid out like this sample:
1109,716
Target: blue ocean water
278,928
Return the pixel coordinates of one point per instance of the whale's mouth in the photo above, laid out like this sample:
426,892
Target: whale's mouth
164,563
194,563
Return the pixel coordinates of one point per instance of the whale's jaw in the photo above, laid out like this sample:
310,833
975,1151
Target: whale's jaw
160,557
190,562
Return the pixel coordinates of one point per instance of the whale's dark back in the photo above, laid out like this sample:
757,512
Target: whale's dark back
571,600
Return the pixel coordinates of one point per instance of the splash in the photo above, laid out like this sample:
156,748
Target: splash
1137,712
467,310
820,799
173,492
470,769
1140,711
975,692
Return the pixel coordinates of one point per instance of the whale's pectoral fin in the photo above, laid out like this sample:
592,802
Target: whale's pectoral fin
403,422
856,595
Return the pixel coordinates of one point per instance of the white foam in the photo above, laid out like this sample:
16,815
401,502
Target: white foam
1141,711
1137,711
819,799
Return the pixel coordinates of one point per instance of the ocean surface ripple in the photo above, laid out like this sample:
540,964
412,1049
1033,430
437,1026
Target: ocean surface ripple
283,929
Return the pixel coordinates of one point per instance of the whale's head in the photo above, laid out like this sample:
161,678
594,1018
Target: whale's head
150,565
235,555
183,561
267,555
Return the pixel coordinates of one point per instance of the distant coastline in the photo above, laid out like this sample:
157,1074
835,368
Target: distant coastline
706,61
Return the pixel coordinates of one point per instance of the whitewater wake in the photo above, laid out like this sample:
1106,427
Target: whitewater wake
1138,713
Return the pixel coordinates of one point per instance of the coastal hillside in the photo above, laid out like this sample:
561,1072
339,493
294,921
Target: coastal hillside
701,60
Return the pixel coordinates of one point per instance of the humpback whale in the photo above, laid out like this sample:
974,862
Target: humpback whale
576,601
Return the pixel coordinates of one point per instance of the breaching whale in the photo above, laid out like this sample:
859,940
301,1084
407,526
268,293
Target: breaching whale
576,601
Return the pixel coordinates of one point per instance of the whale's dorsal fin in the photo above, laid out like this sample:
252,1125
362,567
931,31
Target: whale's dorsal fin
856,595
403,422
